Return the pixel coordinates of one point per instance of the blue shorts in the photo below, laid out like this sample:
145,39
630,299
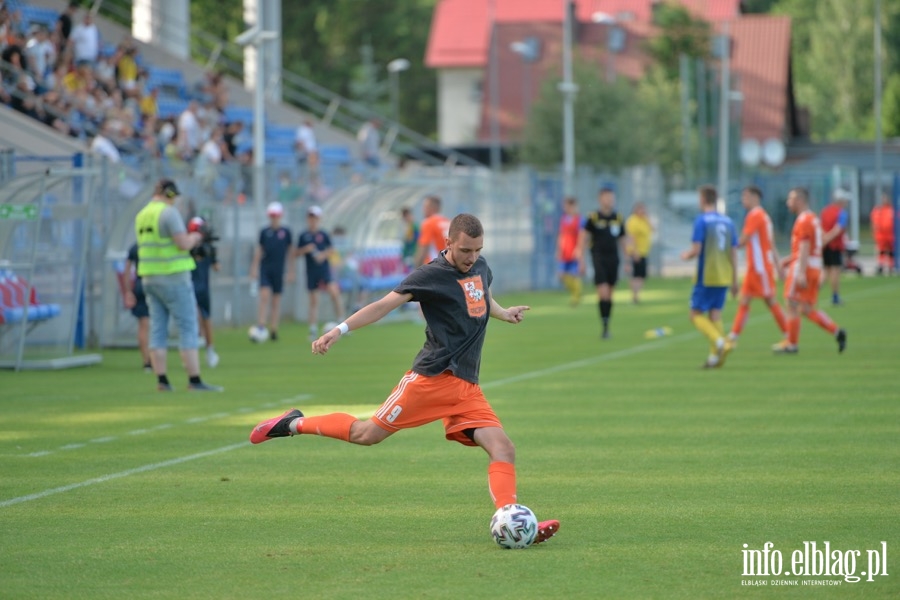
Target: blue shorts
705,299
177,301
318,279
272,278
568,267
140,309
203,303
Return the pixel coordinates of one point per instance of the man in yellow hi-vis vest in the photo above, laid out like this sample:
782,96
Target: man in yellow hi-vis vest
165,266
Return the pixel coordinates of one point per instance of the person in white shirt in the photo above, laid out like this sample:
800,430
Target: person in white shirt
40,53
103,146
85,40
189,131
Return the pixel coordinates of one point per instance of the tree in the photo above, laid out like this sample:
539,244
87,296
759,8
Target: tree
618,124
679,33
891,107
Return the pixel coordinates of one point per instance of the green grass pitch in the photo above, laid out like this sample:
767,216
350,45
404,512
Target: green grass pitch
658,471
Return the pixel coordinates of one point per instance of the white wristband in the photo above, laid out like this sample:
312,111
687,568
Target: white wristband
343,328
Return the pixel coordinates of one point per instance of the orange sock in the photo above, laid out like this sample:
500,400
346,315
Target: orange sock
793,330
776,311
740,318
335,425
502,483
822,320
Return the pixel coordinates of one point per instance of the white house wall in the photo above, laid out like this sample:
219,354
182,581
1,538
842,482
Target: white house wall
459,105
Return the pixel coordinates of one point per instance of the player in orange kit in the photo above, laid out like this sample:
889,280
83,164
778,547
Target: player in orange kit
882,219
804,272
762,263
432,231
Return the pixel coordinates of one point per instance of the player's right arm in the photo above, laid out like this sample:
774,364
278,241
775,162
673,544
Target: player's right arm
365,316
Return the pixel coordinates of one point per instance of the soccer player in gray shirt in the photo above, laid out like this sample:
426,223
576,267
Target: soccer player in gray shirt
454,292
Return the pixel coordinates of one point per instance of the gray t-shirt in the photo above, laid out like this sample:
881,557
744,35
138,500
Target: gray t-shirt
456,307
170,223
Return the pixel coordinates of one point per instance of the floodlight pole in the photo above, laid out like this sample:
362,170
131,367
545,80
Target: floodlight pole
569,89
256,38
878,92
724,100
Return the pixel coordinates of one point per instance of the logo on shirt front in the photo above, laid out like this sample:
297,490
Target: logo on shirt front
473,289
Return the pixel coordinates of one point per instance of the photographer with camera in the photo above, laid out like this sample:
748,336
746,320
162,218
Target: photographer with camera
164,265
205,257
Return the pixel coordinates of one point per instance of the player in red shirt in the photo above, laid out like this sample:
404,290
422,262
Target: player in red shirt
762,263
834,225
804,271
568,251
883,223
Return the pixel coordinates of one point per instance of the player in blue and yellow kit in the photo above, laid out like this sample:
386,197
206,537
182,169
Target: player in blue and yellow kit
714,244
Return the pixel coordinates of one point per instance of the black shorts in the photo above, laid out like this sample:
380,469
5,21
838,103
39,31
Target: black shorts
639,267
606,271
272,278
203,303
140,309
318,279
832,257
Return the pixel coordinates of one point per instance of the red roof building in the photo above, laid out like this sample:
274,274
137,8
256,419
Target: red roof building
459,47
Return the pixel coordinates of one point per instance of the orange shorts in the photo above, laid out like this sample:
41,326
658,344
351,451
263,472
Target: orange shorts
757,285
419,399
806,295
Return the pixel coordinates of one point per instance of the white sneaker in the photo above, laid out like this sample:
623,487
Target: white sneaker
212,359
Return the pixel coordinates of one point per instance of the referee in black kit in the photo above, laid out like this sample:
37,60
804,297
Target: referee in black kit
604,234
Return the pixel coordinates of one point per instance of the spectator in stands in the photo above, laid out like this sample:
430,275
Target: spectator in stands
103,146
210,158
149,106
15,28
232,131
85,40
127,70
165,266
40,55
316,246
370,142
307,149
137,302
188,137
64,26
16,80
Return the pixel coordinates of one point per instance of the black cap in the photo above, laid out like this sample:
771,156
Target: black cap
168,188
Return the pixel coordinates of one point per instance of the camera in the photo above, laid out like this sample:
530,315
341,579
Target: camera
206,248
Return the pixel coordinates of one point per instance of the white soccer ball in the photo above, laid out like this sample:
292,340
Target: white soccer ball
258,334
514,526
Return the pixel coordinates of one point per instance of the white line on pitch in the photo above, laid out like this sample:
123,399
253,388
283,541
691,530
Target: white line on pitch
120,474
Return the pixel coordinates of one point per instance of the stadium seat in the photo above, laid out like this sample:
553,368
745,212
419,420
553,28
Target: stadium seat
13,304
335,155
34,15
169,81
243,114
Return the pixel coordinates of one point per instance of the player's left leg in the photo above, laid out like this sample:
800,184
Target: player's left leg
502,473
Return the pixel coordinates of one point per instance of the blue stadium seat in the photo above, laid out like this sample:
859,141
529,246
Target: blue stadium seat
169,81
335,155
244,114
32,15
170,107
